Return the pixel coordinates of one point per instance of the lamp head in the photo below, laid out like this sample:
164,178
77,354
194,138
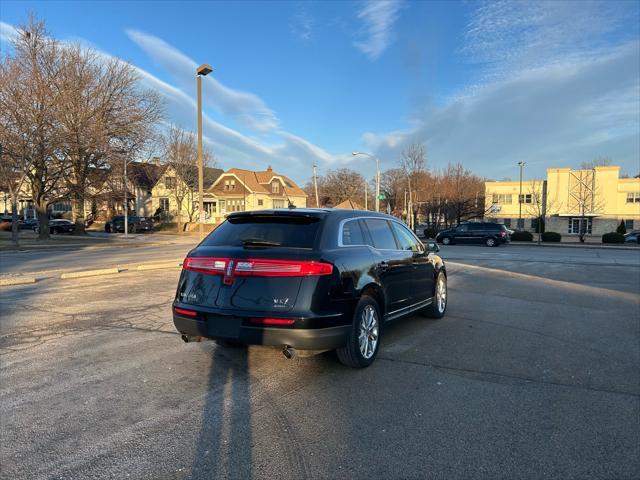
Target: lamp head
204,69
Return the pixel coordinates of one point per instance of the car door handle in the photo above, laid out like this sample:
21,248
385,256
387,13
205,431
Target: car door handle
383,266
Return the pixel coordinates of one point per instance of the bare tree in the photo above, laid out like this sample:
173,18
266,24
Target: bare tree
180,152
29,102
393,183
540,207
413,163
104,116
596,162
585,199
463,193
340,185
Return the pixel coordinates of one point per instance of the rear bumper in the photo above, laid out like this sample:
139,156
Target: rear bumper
301,338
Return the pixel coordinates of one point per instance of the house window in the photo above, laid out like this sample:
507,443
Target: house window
507,222
628,224
210,208
164,204
535,225
520,224
278,204
504,199
633,197
229,185
525,198
260,202
576,225
169,182
275,187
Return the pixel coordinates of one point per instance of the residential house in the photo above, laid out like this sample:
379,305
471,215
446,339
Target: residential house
171,189
237,190
594,200
349,205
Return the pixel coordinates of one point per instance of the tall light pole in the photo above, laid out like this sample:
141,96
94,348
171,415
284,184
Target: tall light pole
315,183
377,175
521,164
202,71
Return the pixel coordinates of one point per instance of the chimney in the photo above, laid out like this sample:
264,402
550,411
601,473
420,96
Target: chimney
156,161
269,168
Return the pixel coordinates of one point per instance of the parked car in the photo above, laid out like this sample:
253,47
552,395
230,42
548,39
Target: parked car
28,224
632,237
134,224
491,234
310,279
58,226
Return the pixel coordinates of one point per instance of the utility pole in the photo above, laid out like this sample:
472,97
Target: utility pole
366,195
377,176
521,164
202,71
315,183
126,209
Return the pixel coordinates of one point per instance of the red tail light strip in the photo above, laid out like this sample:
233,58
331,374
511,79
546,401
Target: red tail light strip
256,267
274,321
182,311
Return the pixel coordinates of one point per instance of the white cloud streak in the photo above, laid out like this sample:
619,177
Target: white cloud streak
378,18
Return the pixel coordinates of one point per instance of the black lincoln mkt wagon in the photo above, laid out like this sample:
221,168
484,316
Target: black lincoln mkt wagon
309,279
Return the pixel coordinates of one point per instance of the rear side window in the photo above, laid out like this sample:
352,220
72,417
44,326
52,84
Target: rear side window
493,226
381,234
474,227
352,233
290,232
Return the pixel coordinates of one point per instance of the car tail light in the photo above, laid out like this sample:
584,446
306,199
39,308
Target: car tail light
250,267
502,234
273,321
182,311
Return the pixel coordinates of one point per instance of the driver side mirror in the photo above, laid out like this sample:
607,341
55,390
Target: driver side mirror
432,246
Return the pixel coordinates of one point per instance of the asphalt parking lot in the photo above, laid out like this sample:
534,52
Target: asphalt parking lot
533,373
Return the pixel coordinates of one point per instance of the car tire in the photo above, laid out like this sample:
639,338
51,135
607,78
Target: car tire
364,335
107,228
133,229
491,242
438,307
446,241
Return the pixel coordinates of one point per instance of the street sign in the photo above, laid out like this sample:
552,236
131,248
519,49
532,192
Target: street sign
381,197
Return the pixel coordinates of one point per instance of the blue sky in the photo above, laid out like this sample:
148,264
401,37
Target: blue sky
482,83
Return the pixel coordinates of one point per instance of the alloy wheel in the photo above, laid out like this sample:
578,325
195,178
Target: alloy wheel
441,293
368,332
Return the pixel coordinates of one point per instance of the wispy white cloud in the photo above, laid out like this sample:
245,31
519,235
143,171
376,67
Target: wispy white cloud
562,114
378,18
302,22
244,107
7,32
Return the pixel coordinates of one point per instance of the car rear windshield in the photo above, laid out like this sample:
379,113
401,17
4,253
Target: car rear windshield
267,231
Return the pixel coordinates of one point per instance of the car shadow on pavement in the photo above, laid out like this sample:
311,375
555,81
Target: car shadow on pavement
224,442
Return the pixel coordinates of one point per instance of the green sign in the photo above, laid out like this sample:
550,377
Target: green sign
381,197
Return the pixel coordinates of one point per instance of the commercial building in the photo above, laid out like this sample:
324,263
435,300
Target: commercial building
568,201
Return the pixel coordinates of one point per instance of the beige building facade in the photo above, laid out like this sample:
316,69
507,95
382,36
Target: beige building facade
593,200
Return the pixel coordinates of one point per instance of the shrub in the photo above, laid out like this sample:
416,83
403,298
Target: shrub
551,237
522,236
613,237
430,232
622,228
5,226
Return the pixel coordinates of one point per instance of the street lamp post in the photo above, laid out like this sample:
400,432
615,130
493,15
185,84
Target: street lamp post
377,176
521,164
203,70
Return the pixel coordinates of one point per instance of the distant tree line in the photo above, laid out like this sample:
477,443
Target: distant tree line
441,197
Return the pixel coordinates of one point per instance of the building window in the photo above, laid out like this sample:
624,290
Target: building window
520,224
169,182
278,204
275,187
229,185
525,198
260,202
576,225
535,225
633,197
210,208
164,204
628,224
503,199
507,222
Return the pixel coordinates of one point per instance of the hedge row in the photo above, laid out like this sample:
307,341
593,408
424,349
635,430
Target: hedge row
551,237
613,237
522,236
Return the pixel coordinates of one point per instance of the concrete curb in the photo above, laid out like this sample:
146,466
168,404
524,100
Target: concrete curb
157,266
6,282
90,273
